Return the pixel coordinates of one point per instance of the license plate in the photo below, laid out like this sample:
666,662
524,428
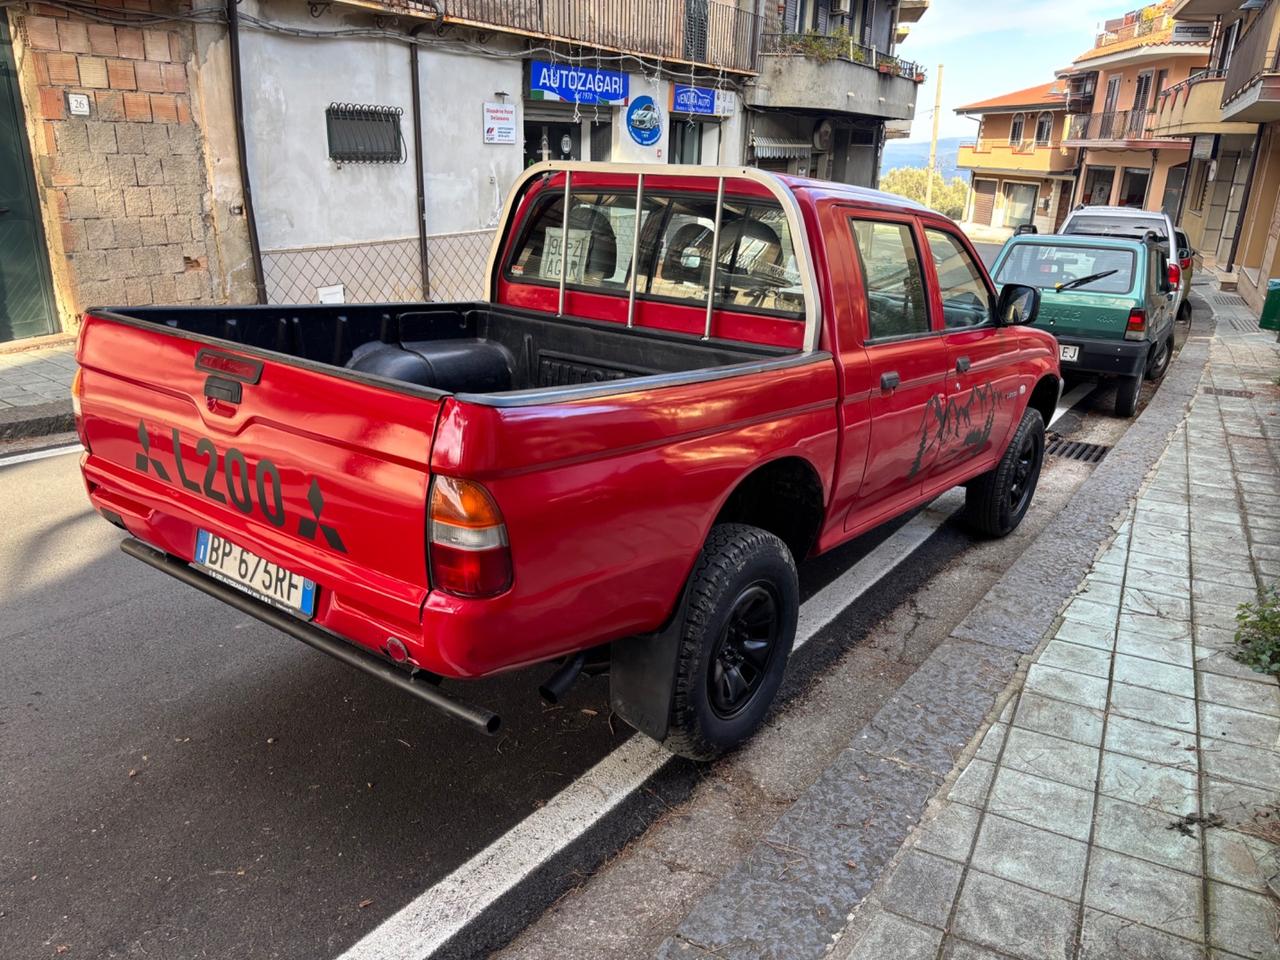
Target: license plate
1068,353
247,571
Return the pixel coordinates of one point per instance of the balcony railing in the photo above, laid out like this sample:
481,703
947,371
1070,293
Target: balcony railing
1028,155
1256,54
692,31
1117,125
1140,23
827,47
1016,147
1189,107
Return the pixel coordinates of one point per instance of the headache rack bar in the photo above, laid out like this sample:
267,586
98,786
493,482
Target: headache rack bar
720,175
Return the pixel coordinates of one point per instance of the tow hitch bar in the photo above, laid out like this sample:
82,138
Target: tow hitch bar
418,684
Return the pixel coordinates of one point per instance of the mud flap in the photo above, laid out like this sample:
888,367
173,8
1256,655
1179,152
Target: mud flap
642,676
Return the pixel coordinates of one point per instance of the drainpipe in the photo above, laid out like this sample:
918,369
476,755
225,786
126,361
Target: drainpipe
424,258
1244,202
237,106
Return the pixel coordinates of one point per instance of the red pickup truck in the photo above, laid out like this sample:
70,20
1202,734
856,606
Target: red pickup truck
683,380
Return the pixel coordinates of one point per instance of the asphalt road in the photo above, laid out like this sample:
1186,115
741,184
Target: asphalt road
178,780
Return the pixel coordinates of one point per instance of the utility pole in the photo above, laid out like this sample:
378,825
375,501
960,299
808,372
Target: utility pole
933,144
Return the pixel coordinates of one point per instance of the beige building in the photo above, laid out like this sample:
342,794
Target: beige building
1231,114
1022,173
1113,92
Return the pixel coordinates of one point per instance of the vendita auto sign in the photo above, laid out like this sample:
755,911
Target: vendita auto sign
563,81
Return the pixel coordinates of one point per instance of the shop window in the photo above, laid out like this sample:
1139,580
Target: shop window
359,133
686,141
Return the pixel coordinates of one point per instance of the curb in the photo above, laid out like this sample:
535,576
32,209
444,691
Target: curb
40,420
792,895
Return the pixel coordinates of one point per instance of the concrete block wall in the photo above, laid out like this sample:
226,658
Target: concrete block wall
123,189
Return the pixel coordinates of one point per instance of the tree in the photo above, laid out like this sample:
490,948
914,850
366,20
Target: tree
910,182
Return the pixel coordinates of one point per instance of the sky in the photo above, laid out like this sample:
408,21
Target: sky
990,47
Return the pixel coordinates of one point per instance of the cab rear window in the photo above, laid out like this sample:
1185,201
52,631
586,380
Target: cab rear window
1046,266
756,270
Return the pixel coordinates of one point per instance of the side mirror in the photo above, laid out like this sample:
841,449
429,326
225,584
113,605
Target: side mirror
691,258
1018,306
1024,229
1175,276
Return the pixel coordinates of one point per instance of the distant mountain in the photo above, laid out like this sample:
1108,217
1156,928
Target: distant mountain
915,153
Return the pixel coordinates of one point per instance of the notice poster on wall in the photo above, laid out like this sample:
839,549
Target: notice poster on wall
499,123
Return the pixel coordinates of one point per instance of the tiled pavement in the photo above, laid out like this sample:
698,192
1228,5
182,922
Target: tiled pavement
34,377
1126,803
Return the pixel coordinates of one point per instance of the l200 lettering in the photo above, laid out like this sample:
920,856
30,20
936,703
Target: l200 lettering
246,487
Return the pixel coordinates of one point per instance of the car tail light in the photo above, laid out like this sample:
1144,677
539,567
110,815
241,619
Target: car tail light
1137,326
77,411
1175,276
467,540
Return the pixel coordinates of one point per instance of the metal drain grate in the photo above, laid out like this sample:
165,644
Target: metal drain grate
1245,324
1224,392
1227,300
1076,450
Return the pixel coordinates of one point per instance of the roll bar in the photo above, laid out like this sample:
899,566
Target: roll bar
719,175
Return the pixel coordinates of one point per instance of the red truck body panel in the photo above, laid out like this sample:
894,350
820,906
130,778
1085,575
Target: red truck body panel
607,497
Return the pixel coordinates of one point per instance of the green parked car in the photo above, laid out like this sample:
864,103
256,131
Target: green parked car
1111,303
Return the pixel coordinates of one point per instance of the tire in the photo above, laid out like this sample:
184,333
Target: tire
740,620
1161,356
996,502
1127,396
1184,312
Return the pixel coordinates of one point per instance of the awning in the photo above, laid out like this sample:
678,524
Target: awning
769,148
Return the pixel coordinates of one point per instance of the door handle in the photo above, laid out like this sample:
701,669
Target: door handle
3,211
962,365
889,381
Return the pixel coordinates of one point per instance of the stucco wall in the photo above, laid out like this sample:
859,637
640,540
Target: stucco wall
301,197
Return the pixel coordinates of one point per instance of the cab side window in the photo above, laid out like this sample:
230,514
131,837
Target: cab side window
966,301
895,291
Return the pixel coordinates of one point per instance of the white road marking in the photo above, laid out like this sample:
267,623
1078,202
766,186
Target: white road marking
1070,399
40,454
438,914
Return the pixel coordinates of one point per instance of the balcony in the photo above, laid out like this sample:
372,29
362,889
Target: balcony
910,11
1027,156
833,74
1193,107
1252,89
1120,129
703,32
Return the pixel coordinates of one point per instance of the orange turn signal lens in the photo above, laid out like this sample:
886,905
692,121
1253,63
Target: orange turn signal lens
463,503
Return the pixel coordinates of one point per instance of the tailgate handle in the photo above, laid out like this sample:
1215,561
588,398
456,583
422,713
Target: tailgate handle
219,388
890,380
962,365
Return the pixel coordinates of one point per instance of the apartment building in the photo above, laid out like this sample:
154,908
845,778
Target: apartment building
1230,112
156,151
1113,90
1021,171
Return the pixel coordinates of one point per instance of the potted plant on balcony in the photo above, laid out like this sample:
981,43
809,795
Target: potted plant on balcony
884,64
919,76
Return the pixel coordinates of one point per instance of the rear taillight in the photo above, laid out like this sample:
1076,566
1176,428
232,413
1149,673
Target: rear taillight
1175,276
467,540
1137,326
77,411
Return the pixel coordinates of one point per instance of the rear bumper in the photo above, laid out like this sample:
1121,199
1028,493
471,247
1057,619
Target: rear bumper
1117,358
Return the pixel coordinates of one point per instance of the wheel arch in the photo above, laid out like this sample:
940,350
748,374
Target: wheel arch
784,496
1044,397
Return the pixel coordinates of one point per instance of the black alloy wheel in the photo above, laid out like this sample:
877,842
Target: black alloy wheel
741,657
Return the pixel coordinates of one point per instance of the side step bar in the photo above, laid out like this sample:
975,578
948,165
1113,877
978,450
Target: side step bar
325,642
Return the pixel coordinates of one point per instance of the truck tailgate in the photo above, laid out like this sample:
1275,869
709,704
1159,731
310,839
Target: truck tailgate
322,475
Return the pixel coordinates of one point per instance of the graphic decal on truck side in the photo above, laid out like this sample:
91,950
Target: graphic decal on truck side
948,423
246,486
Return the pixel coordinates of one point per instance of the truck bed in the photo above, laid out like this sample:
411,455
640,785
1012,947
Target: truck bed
475,349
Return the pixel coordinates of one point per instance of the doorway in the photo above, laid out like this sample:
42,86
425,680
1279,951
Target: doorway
1133,187
1020,203
26,286
1097,186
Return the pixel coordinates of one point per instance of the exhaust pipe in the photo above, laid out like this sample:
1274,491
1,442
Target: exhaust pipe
418,684
558,683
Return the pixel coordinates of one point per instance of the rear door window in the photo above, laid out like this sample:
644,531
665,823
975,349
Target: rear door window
1047,266
895,291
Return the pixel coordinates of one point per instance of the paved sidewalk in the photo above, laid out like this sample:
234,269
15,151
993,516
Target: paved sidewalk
1126,803
35,391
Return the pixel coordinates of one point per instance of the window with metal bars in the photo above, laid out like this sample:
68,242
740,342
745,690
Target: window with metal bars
360,133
